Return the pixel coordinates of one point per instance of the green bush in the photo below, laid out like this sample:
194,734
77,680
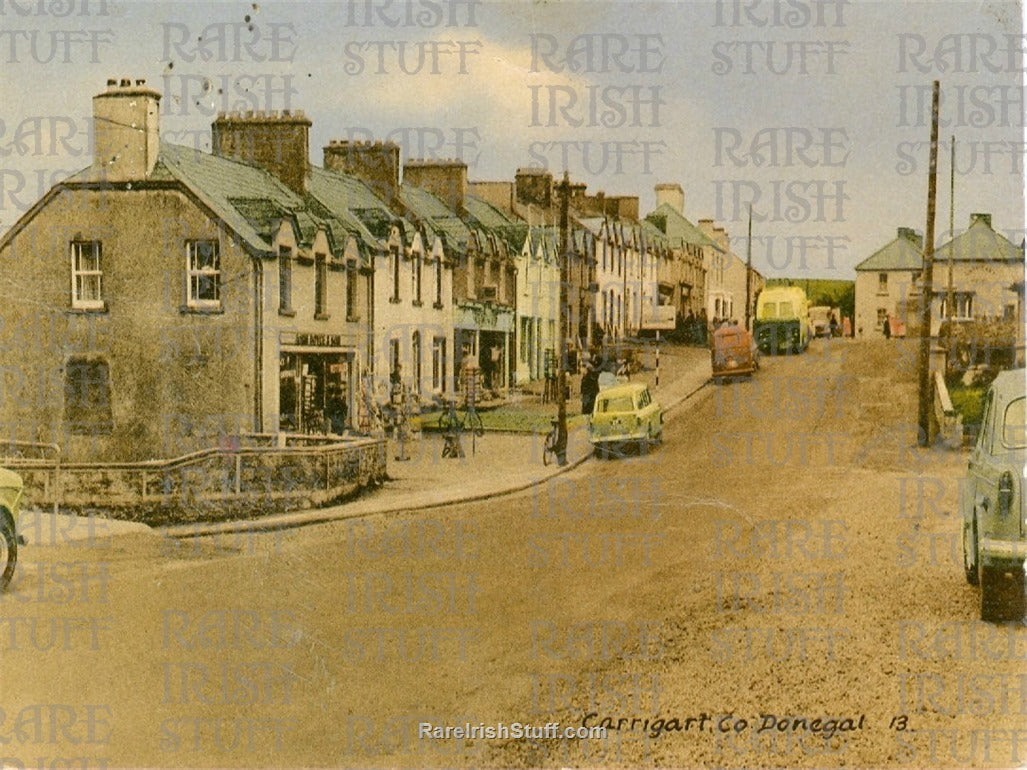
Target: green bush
969,402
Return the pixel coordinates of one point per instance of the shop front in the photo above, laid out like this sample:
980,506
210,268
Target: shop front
315,390
484,338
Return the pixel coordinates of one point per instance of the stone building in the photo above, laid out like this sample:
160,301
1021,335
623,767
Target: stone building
169,297
987,277
884,282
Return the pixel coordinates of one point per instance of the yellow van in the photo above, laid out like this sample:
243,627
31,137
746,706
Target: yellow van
782,320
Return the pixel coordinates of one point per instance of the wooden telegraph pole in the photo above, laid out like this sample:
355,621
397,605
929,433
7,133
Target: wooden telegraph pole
923,364
748,274
950,305
562,324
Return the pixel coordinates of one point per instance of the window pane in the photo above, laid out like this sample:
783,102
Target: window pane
1014,430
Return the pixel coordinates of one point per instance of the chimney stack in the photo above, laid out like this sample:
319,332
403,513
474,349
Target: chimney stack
534,185
278,142
445,179
376,164
911,235
671,194
126,130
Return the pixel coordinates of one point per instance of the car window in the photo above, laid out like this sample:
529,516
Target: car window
616,404
786,310
1014,431
769,310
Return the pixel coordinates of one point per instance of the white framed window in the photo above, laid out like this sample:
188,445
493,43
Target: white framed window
203,273
438,364
86,275
963,304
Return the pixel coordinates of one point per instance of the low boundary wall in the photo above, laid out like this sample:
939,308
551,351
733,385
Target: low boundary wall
248,476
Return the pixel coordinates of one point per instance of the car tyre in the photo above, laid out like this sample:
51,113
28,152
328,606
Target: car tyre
1001,598
8,549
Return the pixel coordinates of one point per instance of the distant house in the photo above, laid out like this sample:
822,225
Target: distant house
986,268
987,273
884,281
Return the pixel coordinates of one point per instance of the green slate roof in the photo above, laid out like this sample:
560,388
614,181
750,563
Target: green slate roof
436,217
979,243
679,229
220,183
483,215
903,253
352,205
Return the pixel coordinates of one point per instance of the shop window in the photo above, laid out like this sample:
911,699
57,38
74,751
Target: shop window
87,402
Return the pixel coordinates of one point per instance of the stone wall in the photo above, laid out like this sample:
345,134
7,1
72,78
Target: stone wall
211,485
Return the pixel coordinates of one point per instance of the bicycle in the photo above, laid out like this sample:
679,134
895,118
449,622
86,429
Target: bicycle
549,445
449,420
473,422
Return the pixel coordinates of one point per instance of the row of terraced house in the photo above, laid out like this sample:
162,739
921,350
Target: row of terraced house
164,297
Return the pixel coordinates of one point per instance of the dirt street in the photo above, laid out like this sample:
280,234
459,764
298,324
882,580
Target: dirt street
778,585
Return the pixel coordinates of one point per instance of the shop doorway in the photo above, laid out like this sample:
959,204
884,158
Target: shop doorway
315,393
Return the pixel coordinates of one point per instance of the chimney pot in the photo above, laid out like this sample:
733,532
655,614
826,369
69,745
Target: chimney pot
141,82
112,82
126,82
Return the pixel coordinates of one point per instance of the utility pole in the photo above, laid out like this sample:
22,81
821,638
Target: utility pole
561,385
924,402
748,274
950,306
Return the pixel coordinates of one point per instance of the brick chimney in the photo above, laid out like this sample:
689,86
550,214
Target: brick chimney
978,217
672,194
716,234
911,235
445,179
376,164
534,185
278,142
126,135
624,206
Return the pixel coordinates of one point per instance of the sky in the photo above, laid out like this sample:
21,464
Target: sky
816,112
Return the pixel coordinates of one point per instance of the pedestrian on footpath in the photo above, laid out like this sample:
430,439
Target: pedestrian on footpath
589,387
